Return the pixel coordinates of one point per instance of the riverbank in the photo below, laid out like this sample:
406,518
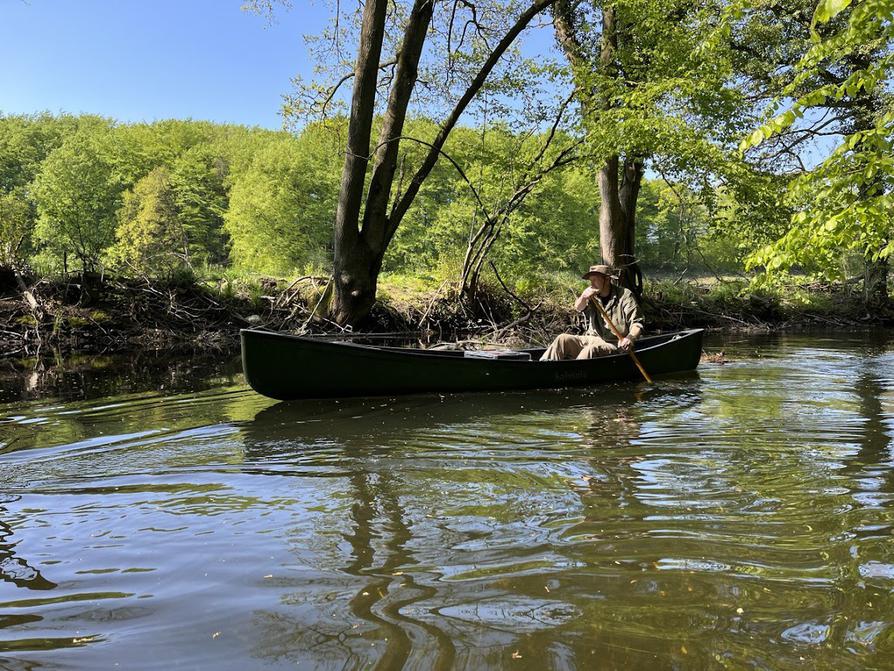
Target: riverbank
105,315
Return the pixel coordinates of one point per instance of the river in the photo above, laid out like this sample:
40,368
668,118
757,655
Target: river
161,515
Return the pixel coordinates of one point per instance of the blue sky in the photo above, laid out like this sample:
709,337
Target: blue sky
142,60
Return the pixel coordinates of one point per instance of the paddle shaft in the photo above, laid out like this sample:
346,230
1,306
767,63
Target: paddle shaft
618,335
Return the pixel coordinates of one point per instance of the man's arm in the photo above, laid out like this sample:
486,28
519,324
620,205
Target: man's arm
634,317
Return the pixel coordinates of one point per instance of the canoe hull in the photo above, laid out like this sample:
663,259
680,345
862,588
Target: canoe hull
287,367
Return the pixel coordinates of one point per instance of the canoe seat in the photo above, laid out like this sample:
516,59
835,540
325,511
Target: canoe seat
497,354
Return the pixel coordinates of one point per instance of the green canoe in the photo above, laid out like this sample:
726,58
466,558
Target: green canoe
285,366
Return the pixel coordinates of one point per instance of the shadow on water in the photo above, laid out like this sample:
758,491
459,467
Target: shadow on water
288,427
371,444
98,376
14,569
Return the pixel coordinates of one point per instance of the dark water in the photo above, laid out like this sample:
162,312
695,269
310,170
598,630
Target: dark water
737,518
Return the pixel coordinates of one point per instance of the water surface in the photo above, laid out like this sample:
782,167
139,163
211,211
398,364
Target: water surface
158,516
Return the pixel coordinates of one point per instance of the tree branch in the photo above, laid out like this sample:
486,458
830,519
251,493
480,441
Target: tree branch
403,204
341,81
375,225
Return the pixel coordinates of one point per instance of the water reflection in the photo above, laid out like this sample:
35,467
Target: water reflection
96,376
413,612
15,569
738,518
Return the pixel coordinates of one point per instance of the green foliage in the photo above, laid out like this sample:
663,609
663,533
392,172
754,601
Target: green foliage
201,160
669,92
281,208
150,238
844,204
552,229
77,194
191,197
198,181
15,228
679,85
26,140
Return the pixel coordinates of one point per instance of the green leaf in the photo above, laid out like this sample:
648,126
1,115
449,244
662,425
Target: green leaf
756,137
829,9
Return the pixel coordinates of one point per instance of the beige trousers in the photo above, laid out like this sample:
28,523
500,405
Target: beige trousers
577,347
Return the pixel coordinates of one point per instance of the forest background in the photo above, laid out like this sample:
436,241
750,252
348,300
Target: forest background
760,134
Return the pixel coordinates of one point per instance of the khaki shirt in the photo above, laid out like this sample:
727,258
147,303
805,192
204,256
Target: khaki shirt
623,310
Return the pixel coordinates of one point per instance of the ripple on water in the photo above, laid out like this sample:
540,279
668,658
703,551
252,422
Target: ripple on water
738,518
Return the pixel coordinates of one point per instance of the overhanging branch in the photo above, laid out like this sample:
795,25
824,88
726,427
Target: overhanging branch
403,204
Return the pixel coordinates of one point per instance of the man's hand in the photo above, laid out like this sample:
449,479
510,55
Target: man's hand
625,344
581,303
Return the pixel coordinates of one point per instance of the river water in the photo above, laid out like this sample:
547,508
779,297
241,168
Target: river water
159,515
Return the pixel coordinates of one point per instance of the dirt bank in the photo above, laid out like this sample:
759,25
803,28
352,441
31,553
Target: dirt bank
104,315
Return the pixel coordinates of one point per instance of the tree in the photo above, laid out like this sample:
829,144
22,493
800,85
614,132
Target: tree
845,202
367,217
77,195
150,238
25,142
198,182
15,228
280,209
448,227
655,83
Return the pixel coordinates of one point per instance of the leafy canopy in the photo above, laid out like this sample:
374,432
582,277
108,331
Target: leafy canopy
844,203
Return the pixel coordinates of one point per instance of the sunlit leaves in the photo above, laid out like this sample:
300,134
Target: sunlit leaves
150,239
844,203
77,195
828,9
281,209
15,227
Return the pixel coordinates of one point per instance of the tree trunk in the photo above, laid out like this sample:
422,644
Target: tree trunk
617,219
359,251
375,218
875,283
360,262
617,207
611,218
354,286
631,274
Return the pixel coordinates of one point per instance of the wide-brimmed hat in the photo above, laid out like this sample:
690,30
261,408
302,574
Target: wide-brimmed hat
601,269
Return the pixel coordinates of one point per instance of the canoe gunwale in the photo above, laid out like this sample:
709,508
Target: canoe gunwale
286,367
379,352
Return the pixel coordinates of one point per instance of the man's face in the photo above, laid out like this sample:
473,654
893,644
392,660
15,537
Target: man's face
597,281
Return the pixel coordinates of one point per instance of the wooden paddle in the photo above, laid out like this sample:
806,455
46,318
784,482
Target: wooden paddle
618,335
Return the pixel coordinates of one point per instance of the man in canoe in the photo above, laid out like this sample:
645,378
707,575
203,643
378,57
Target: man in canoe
622,309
